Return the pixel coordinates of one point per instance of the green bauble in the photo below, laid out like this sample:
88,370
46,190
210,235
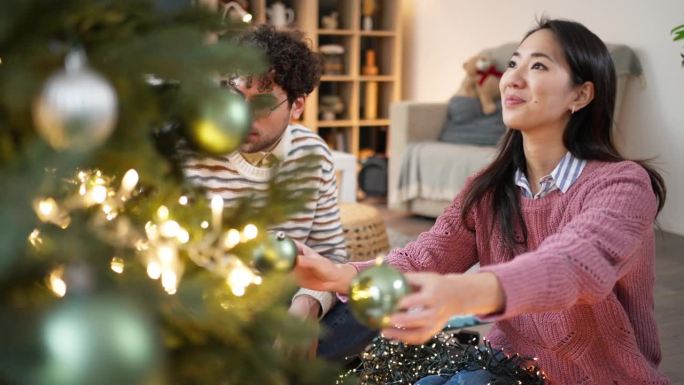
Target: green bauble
221,123
97,340
374,294
276,252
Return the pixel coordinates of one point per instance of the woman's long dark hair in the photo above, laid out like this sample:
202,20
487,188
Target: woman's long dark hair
588,134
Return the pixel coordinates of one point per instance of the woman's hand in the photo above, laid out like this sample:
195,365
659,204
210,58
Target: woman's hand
436,298
319,273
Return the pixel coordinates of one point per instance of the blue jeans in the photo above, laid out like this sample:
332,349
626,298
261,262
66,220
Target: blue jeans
342,335
464,377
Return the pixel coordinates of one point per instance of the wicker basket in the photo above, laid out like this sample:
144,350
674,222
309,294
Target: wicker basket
364,231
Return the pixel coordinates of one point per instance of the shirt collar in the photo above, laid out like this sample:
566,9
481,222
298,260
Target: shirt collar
563,176
277,153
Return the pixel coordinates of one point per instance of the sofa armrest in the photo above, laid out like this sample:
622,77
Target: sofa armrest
410,122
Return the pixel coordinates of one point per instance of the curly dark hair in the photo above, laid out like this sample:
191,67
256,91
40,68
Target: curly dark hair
291,63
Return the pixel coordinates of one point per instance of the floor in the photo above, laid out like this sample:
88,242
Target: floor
669,290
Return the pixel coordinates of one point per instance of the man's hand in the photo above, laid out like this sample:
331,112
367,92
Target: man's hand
316,272
305,307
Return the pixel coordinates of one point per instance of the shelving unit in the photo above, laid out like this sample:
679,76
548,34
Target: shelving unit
355,130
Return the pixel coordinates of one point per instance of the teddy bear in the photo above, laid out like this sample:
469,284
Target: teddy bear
481,82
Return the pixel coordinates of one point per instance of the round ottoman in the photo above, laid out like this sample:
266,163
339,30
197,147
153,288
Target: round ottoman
364,231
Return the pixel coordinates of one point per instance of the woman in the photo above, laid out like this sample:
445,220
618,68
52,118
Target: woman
567,262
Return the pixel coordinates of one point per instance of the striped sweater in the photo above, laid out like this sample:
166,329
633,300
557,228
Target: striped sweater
318,225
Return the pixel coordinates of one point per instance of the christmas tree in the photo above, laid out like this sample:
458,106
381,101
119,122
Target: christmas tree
113,270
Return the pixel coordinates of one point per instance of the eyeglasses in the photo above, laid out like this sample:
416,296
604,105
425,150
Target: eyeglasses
260,105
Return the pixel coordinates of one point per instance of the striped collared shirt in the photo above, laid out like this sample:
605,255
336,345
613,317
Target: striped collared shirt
561,178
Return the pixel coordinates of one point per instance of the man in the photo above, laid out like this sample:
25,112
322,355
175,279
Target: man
276,98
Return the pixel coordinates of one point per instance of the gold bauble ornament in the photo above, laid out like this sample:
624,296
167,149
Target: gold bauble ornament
276,252
221,123
374,294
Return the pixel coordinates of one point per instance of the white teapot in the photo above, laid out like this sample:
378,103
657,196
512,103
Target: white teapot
279,15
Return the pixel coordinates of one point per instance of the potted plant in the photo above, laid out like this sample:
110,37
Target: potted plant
678,34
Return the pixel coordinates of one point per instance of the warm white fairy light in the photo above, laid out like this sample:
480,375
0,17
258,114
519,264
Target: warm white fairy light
239,277
167,253
250,231
163,213
34,238
216,212
183,236
169,229
128,182
99,193
153,270
151,231
117,265
163,239
169,281
141,245
107,208
48,211
232,238
56,282
47,208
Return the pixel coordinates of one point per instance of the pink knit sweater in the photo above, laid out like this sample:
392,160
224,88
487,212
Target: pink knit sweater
579,294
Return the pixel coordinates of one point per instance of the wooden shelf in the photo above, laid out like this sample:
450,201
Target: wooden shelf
377,78
335,123
374,122
337,78
378,33
336,32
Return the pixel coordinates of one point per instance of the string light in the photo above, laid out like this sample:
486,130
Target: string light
153,270
392,362
169,229
99,194
151,231
216,212
163,239
117,265
35,239
128,183
250,231
163,213
169,281
166,253
56,282
183,236
239,277
48,211
232,238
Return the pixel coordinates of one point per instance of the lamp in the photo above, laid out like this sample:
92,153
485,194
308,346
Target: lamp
235,6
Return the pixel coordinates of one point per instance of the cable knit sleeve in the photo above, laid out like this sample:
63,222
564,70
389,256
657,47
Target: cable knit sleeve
581,263
448,247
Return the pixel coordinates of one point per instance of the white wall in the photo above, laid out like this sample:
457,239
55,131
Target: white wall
441,34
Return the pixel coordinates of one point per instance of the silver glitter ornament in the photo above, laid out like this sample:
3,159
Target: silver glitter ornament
77,108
